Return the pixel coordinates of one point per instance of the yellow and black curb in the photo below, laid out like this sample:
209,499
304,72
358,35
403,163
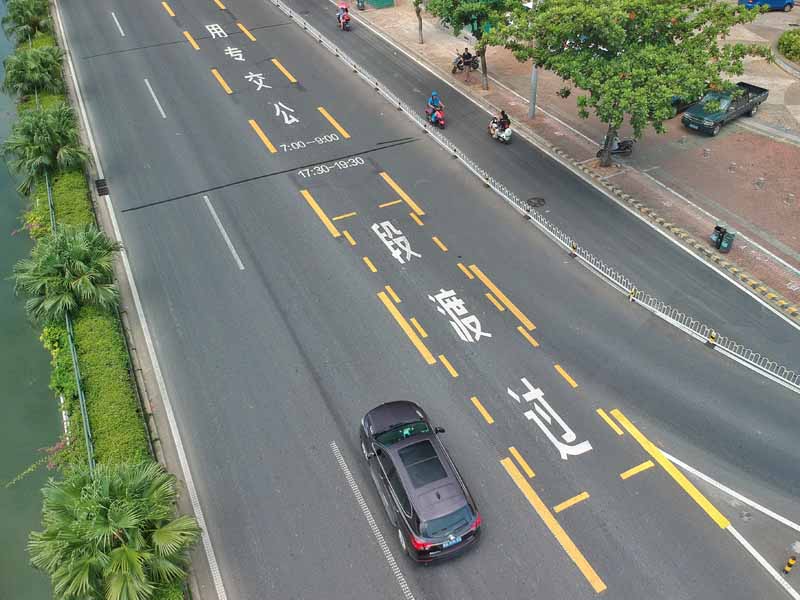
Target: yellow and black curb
700,248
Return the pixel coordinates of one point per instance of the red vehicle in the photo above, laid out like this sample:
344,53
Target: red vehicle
436,117
343,16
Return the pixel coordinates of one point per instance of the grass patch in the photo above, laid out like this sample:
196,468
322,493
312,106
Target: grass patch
71,199
111,401
45,101
41,40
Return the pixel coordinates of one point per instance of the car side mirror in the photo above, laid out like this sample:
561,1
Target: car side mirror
439,429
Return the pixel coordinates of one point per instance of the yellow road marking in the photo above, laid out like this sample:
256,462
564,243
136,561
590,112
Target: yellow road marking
609,421
320,213
522,462
392,203
448,366
394,296
679,477
558,532
369,264
416,218
565,375
412,335
484,413
245,31
412,205
527,336
189,37
283,70
334,122
637,469
345,216
220,4
221,81
571,502
466,271
263,137
349,237
167,8
503,298
494,301
439,243
423,334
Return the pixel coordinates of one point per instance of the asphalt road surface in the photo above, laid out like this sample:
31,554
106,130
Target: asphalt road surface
301,250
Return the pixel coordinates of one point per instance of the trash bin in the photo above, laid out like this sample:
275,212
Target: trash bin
727,241
720,229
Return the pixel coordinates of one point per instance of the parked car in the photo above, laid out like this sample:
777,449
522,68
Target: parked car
784,5
719,107
422,491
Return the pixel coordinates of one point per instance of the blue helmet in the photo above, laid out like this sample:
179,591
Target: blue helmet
434,94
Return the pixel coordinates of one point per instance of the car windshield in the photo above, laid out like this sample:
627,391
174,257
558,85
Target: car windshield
713,98
443,525
398,433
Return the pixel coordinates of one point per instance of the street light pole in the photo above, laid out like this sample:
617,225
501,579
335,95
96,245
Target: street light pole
534,86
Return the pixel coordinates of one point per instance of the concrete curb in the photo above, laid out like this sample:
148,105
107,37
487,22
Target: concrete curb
700,249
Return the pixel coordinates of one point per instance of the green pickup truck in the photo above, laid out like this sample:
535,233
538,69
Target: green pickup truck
718,107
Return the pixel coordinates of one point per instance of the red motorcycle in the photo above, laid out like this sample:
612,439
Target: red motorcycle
435,117
343,16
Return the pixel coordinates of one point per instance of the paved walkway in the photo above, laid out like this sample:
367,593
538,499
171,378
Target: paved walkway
746,176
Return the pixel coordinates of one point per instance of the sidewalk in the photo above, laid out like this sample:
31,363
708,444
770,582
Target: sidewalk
682,181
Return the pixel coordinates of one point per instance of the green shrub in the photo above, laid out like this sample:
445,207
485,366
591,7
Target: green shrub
45,101
71,200
40,40
789,44
114,416
169,592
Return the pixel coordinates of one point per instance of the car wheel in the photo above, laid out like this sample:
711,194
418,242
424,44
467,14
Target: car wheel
403,543
753,111
716,129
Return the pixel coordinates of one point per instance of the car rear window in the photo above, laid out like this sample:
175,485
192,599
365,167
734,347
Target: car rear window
422,463
444,525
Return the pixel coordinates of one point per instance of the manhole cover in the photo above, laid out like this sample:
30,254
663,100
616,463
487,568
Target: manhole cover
535,202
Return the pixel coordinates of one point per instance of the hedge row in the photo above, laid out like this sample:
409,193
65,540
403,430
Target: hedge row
789,44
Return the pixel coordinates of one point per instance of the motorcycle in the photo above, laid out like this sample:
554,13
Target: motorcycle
345,22
435,117
501,135
624,148
343,16
458,64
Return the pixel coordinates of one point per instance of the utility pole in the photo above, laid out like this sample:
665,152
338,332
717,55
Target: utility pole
534,71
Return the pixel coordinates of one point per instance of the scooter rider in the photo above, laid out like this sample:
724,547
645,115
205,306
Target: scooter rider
340,13
434,103
500,123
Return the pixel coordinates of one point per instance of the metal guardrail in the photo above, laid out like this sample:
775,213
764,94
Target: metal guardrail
754,360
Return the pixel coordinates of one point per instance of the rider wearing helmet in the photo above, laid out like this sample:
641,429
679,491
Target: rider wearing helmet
434,102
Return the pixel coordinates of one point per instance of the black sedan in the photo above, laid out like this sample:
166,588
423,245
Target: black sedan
420,487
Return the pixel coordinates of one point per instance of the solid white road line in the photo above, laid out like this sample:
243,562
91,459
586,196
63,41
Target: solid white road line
666,235
173,425
122,33
224,234
153,94
734,494
362,504
763,562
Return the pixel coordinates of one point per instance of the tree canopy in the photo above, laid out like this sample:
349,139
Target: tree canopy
25,18
30,70
631,58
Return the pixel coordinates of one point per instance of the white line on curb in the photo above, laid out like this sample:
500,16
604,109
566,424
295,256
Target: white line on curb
122,33
187,475
608,194
730,492
362,504
224,234
153,94
763,562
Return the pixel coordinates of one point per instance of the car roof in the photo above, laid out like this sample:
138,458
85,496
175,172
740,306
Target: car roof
431,499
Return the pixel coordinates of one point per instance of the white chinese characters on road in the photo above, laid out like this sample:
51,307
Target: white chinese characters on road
286,112
258,80
395,241
216,31
544,416
467,326
235,53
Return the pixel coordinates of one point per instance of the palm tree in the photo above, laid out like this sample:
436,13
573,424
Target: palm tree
68,269
43,141
33,69
115,536
25,18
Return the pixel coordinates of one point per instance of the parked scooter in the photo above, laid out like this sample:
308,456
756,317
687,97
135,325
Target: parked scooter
458,63
435,117
618,147
501,135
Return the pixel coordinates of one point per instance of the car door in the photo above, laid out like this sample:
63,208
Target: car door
384,469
